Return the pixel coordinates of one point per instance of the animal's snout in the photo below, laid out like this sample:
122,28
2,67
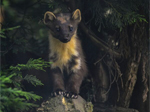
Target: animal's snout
65,40
67,35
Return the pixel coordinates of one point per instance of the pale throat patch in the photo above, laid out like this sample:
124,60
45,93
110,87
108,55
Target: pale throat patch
64,52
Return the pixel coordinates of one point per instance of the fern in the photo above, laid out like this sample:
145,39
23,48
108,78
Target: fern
2,32
33,80
13,98
38,64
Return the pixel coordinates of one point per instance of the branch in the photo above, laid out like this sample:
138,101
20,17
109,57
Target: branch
97,42
71,4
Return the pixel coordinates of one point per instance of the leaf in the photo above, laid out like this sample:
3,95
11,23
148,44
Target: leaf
2,36
6,79
10,29
15,98
33,80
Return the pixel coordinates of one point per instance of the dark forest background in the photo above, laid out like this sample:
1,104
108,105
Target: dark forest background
114,35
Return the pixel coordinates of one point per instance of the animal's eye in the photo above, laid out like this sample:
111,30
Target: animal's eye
70,28
58,29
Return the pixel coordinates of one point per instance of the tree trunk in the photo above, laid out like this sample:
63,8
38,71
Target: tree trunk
137,37
130,78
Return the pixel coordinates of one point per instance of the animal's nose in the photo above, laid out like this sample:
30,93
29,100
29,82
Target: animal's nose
65,40
66,35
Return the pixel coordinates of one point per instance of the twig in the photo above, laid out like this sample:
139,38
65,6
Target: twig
100,59
97,42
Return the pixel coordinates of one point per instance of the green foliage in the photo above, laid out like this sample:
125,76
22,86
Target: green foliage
37,64
31,36
33,80
2,32
21,32
13,98
115,14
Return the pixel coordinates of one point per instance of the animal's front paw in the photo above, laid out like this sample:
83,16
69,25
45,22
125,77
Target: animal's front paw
57,92
71,95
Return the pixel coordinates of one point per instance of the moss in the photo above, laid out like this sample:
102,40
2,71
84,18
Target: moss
61,104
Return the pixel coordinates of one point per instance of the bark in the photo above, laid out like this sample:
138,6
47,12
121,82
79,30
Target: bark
101,83
137,39
140,95
144,78
129,79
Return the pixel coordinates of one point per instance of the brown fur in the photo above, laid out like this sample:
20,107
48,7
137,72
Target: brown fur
68,68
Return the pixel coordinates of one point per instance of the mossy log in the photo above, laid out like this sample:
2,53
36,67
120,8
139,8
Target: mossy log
62,104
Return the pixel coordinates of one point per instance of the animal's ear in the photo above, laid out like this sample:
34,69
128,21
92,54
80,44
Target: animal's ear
76,15
48,17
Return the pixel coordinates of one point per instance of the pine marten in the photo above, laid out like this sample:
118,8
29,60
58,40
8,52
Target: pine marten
68,67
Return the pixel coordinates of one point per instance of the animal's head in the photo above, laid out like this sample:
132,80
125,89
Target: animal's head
64,25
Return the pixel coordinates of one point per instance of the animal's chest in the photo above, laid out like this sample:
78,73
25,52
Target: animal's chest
64,55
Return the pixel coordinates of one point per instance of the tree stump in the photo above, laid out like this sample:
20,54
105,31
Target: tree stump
62,104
